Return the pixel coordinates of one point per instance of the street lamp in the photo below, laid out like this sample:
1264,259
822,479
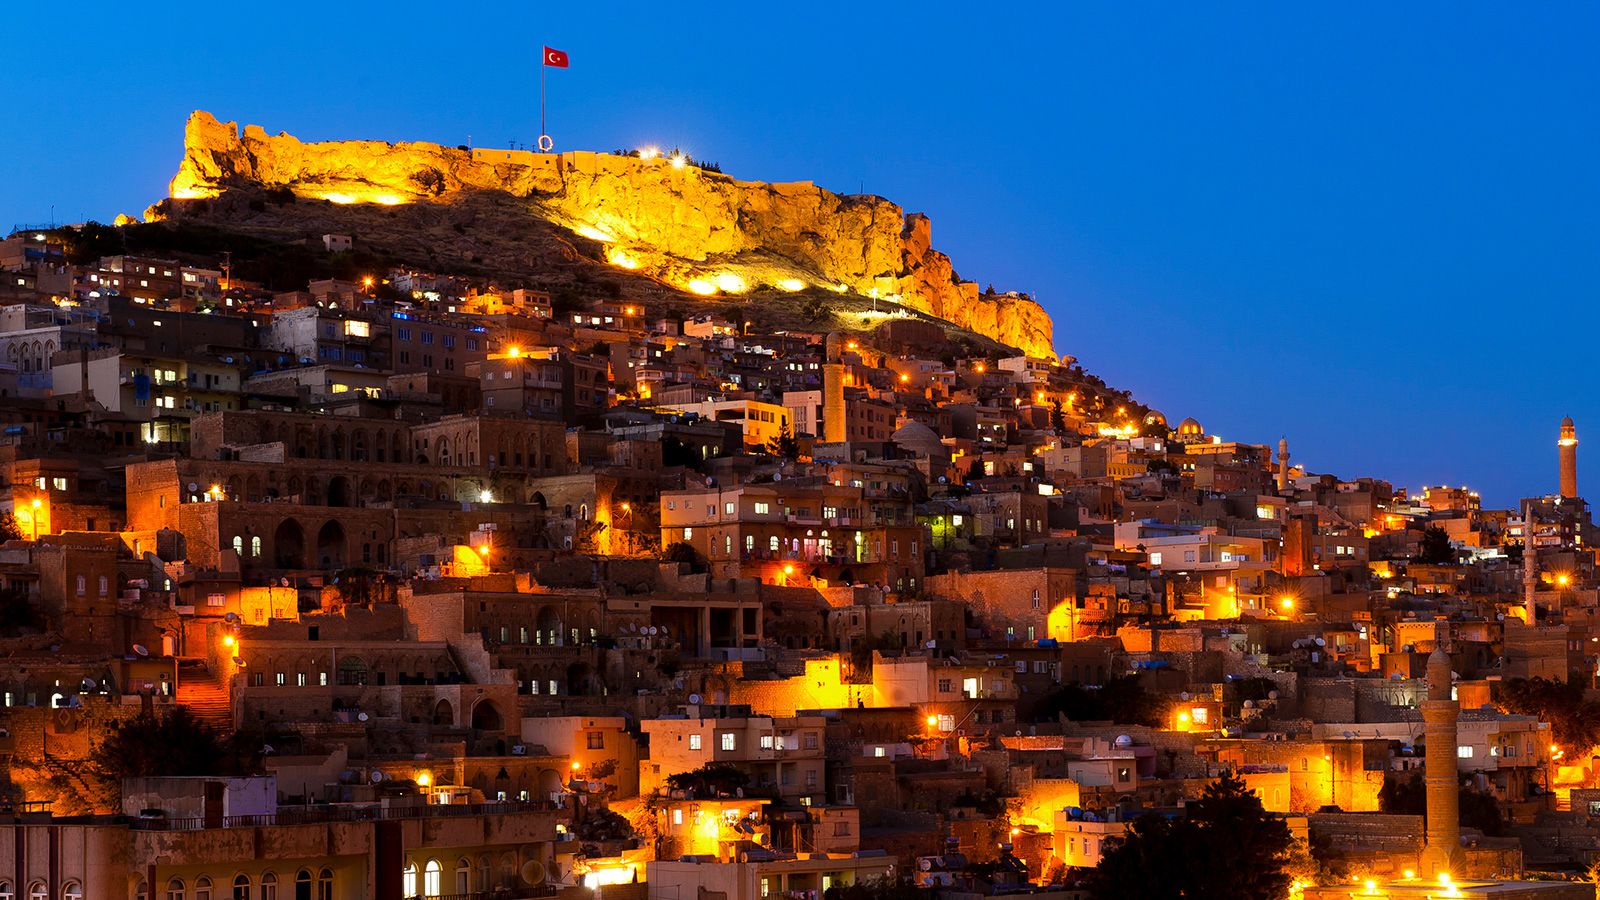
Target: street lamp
37,505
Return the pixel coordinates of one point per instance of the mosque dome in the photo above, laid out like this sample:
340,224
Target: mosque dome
1155,419
917,438
1190,428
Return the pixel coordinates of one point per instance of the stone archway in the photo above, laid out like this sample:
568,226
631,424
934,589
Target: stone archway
289,545
331,545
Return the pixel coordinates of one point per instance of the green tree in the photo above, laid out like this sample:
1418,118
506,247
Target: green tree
151,745
1227,848
784,444
1574,721
1436,549
1122,700
1409,796
710,779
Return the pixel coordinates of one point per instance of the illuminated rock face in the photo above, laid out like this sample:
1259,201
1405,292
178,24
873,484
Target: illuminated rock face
700,231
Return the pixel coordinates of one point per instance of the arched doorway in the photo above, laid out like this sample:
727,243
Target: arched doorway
339,491
289,545
444,715
331,545
486,717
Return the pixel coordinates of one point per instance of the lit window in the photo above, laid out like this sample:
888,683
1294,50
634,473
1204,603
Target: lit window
729,741
1464,751
357,328
694,742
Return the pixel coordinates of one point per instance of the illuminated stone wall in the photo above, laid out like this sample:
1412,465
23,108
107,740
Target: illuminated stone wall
703,232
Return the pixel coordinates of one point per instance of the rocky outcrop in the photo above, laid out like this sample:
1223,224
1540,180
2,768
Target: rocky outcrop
698,230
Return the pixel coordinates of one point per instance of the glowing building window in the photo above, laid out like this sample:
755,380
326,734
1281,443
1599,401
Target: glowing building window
694,742
357,328
729,741
1464,751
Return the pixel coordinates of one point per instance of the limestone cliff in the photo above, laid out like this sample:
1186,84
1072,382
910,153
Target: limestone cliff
700,231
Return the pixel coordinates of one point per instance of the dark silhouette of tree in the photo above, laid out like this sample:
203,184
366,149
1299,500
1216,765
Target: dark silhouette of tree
1409,796
885,888
1574,721
710,779
1436,549
1121,700
18,615
10,529
784,444
1227,848
153,745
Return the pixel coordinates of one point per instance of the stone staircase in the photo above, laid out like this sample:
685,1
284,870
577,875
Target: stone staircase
205,696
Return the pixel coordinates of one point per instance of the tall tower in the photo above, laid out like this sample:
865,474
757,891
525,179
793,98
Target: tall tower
1442,854
1567,447
1283,464
833,421
1530,567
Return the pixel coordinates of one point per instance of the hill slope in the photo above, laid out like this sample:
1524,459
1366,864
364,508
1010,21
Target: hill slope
504,213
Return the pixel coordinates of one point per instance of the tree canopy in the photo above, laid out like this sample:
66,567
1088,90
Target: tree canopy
152,745
1227,848
1122,700
1409,796
1574,721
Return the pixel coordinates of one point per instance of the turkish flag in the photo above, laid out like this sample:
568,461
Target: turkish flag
557,58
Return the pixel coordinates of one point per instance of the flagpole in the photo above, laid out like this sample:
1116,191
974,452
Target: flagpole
542,67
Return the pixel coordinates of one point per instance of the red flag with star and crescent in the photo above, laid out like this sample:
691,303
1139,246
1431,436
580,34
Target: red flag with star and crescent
556,58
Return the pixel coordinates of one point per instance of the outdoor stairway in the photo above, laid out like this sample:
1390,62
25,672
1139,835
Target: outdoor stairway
205,696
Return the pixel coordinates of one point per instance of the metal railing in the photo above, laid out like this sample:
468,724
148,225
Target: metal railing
320,815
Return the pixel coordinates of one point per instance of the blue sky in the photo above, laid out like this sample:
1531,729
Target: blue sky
1370,227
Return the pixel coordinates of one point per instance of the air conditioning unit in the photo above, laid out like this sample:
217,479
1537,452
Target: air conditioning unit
519,749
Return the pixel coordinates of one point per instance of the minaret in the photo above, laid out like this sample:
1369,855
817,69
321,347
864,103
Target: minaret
1530,568
1283,465
833,415
1442,854
1567,447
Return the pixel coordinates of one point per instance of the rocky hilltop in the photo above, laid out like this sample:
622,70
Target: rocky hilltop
697,230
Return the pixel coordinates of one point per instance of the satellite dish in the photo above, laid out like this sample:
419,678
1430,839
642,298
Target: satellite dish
268,748
141,649
362,717
694,699
1321,642
943,480
533,872
1272,695
376,776
652,631
88,684
238,662
193,487
231,618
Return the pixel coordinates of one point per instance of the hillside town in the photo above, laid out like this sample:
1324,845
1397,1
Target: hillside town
399,584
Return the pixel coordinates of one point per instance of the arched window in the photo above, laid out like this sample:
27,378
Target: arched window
408,881
202,888
463,876
325,884
255,545
269,886
73,891
37,891
5,890
241,887
238,545
302,885
175,889
432,878
141,891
